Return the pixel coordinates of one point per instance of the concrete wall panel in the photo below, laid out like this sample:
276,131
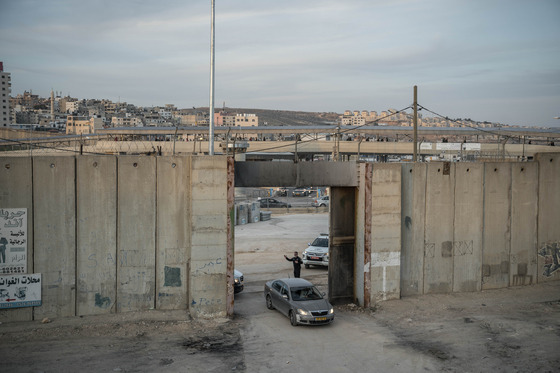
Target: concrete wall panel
208,283
440,211
386,232
412,228
173,232
136,233
524,212
271,174
549,217
16,191
497,225
55,234
467,236
96,256
361,264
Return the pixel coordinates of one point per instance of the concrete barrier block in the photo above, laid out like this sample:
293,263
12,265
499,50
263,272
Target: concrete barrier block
497,225
16,191
55,234
438,241
524,214
96,255
412,228
467,235
173,232
386,231
136,233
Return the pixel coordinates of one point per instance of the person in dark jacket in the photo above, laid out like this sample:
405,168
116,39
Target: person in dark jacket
297,263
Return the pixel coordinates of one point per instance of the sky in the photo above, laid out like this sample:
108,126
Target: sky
487,60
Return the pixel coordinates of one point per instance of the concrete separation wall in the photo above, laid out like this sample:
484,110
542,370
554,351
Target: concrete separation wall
117,234
129,233
475,226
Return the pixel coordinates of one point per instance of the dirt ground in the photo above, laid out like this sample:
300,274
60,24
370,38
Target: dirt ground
507,330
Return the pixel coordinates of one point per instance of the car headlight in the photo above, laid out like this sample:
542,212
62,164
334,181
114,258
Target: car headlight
236,281
331,311
303,312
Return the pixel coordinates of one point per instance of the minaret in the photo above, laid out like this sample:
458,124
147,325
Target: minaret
52,106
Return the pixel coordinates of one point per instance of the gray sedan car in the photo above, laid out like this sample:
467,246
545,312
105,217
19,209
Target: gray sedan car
299,300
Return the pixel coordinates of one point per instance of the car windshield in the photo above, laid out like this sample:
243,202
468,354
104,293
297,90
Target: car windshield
321,242
306,293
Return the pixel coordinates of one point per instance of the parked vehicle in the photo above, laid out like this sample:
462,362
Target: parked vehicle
237,281
321,202
317,253
299,300
300,192
282,192
271,202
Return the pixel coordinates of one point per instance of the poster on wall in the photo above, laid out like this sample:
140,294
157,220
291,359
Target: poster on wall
20,290
13,241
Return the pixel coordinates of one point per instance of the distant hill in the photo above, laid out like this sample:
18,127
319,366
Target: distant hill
285,117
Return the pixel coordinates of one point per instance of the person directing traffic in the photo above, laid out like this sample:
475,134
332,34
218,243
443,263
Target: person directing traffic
297,263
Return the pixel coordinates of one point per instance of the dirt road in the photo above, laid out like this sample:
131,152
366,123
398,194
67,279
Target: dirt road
507,330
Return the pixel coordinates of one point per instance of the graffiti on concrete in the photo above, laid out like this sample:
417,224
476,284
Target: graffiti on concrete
449,249
551,254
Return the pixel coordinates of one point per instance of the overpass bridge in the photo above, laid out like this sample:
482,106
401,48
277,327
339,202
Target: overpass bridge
302,143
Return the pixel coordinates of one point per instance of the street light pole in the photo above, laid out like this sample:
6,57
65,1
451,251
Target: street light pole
211,125
415,120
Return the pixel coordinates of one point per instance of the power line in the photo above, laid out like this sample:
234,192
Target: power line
464,124
338,132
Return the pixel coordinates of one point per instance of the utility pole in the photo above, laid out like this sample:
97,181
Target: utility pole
415,121
211,135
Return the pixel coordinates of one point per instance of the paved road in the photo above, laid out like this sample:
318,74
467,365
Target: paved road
352,343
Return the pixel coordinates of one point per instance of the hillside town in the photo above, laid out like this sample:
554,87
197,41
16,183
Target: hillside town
74,116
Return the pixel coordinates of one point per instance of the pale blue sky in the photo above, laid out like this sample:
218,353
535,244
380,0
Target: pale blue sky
486,60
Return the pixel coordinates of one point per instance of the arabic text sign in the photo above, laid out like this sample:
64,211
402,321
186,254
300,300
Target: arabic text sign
13,241
20,290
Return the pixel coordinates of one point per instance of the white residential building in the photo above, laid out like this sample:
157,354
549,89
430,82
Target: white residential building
5,83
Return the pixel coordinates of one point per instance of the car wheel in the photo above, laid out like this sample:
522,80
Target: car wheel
323,205
307,266
269,302
293,319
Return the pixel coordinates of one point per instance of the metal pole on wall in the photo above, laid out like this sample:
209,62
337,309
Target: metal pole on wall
415,120
211,135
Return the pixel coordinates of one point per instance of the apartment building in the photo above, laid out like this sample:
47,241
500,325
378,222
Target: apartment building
126,122
82,125
246,120
5,83
352,120
360,118
225,119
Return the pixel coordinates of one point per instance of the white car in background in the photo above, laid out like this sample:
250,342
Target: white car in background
321,202
317,253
